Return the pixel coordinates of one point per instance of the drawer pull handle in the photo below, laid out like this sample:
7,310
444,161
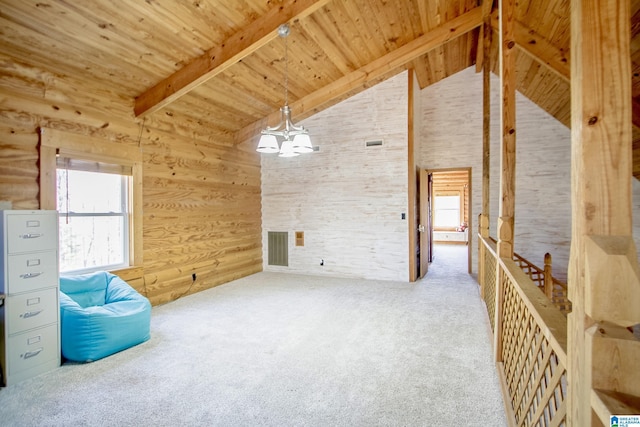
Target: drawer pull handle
31,235
31,275
29,314
30,354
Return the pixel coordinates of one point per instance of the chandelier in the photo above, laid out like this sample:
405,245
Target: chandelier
295,139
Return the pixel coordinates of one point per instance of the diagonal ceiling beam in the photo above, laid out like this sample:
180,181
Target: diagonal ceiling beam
219,58
557,61
536,46
371,72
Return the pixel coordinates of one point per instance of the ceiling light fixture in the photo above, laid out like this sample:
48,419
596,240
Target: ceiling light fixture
301,143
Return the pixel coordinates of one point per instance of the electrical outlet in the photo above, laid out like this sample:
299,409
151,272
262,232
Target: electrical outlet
193,276
321,262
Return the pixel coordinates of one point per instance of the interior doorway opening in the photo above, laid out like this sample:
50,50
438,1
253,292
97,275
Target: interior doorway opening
444,214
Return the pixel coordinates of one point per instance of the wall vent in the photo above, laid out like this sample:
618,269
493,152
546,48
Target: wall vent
375,143
278,248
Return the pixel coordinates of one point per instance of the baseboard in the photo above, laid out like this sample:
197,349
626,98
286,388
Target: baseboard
449,242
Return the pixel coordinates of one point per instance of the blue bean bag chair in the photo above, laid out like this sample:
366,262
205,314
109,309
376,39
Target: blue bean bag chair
100,314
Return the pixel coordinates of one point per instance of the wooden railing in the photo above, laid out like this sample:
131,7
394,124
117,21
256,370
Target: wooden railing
531,348
553,288
487,277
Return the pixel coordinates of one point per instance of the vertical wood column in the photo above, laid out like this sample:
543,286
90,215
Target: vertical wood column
412,223
484,46
604,284
487,33
507,156
507,128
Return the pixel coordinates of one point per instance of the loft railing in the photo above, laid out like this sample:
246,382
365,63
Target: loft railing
530,336
554,289
487,276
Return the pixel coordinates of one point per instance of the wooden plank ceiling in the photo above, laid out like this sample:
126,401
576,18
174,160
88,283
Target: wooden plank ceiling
220,64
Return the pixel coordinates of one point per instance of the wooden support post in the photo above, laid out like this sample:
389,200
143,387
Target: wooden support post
412,223
604,284
548,278
507,129
486,119
507,157
483,218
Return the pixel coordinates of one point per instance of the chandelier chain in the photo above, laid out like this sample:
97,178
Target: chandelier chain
286,72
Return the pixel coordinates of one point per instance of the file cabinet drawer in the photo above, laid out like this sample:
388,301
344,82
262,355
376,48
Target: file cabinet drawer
28,272
31,310
32,232
32,348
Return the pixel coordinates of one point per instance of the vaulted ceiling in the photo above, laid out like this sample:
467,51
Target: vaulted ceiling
221,64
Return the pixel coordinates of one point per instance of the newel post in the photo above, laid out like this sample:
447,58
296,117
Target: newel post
548,279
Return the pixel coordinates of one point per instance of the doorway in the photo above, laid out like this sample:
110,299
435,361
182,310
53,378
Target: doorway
444,213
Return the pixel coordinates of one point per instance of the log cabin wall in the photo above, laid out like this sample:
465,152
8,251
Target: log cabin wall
201,194
347,199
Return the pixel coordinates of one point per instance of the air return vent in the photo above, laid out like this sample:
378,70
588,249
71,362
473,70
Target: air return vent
278,248
373,143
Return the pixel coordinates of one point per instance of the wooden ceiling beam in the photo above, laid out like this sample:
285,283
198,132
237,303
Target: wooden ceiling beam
219,58
371,72
557,61
536,46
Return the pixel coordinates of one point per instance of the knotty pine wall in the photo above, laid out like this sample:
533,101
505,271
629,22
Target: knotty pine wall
346,198
201,194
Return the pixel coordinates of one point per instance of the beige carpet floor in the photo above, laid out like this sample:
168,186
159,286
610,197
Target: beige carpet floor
290,350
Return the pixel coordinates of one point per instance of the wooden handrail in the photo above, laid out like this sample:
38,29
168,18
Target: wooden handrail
532,338
552,322
555,289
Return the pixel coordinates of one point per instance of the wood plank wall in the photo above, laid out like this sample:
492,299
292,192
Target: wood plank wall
348,199
201,194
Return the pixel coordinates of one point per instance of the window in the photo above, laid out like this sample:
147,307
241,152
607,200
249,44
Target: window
446,211
79,152
93,205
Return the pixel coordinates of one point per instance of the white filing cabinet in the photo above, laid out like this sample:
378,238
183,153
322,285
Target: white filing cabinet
30,315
